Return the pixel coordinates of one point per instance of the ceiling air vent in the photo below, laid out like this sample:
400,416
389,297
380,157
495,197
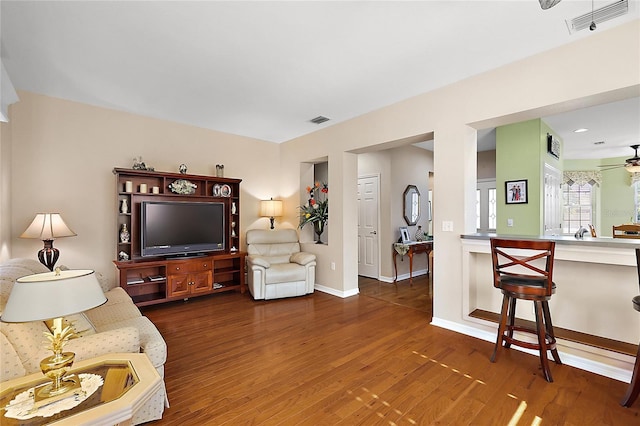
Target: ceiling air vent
319,119
599,15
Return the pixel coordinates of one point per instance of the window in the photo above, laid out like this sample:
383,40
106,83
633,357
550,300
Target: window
486,206
577,207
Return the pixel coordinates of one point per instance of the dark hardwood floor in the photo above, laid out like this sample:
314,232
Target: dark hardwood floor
323,360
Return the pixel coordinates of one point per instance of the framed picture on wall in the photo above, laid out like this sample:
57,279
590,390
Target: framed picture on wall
404,234
516,191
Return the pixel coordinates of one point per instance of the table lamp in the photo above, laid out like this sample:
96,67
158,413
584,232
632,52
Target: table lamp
47,227
52,295
271,209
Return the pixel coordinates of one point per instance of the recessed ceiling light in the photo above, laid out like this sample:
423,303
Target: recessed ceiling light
581,130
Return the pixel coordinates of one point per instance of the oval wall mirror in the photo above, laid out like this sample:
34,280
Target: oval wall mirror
411,205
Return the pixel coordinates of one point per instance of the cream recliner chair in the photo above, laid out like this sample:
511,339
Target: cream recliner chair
275,265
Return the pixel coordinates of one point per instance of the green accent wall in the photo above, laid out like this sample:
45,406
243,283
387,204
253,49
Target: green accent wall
521,152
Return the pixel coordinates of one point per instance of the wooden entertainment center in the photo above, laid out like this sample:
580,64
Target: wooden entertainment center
158,280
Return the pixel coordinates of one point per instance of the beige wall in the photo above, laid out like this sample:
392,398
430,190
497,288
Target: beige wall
63,154
558,80
397,168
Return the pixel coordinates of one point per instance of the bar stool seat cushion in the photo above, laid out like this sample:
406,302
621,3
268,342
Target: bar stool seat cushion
512,284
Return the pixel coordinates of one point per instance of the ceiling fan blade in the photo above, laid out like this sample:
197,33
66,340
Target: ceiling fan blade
547,4
611,167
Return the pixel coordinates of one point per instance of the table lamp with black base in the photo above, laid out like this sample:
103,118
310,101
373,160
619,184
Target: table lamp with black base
47,227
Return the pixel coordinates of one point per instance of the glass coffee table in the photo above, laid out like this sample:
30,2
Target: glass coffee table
129,380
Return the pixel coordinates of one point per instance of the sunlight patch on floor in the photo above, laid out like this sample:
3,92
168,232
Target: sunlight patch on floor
368,401
383,402
522,407
454,370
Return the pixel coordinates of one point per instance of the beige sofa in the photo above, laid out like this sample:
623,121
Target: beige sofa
116,326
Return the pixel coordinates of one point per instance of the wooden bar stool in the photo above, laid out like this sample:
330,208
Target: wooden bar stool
634,387
523,269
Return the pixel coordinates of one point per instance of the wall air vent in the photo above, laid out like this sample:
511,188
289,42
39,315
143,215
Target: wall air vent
599,15
319,119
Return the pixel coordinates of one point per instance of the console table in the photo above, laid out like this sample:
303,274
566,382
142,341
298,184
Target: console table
411,248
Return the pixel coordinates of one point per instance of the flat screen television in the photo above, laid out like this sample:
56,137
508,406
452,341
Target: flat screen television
175,228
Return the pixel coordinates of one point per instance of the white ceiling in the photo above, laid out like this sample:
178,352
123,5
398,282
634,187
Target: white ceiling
264,69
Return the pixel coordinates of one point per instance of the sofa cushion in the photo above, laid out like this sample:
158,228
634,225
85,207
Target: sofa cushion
151,341
275,246
122,340
10,364
119,307
284,272
34,266
28,341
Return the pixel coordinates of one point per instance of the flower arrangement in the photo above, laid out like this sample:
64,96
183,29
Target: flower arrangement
316,211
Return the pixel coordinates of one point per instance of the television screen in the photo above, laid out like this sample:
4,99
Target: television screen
171,228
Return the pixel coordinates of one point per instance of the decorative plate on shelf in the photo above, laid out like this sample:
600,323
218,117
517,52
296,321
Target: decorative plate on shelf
183,186
216,190
225,190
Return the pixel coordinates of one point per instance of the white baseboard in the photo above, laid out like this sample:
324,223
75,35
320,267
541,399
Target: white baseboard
338,293
594,359
403,276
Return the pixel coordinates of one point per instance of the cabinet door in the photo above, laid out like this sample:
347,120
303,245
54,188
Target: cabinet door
201,282
179,285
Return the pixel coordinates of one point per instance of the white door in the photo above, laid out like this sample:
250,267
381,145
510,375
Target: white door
368,262
552,201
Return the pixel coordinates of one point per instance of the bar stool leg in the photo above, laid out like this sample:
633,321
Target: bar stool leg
542,340
501,327
549,324
512,321
634,387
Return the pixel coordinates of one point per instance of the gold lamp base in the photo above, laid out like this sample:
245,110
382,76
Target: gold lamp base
55,367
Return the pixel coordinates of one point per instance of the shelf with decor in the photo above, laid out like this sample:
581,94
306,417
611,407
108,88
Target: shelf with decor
149,272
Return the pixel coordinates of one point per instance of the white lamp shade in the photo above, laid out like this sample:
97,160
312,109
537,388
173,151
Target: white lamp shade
40,297
47,226
271,208
633,168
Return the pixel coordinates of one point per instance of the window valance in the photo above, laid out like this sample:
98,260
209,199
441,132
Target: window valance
583,177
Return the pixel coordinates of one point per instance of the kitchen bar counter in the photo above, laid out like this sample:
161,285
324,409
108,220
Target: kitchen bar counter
596,279
624,243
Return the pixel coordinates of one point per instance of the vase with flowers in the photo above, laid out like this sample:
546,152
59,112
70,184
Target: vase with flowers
316,211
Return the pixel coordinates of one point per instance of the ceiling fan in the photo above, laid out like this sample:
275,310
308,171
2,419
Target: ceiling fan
631,164
548,4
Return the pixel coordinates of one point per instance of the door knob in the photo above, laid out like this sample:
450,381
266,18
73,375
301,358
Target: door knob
374,233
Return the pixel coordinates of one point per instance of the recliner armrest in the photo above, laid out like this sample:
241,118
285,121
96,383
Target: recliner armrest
258,261
302,258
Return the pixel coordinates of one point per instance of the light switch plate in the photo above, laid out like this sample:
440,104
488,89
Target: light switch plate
447,226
